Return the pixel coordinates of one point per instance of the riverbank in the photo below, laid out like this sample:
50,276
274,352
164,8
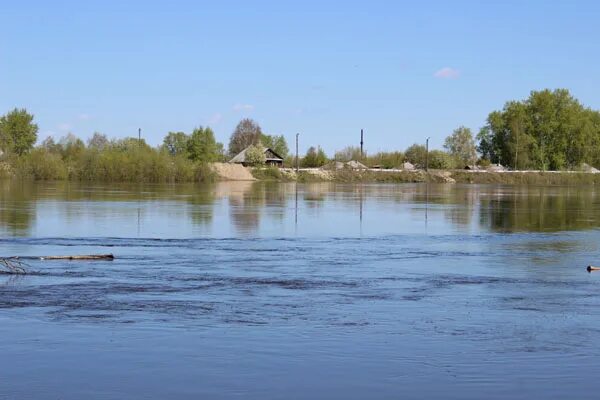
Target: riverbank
432,176
184,171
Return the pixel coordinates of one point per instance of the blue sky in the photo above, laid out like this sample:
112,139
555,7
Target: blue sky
400,70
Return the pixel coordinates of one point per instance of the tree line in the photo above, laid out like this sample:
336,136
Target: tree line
550,130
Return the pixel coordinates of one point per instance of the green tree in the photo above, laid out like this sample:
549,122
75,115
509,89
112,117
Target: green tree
314,158
461,146
277,143
98,141
176,143
439,159
548,130
485,146
50,145
416,154
71,147
348,154
246,133
202,145
18,133
255,155
386,160
130,145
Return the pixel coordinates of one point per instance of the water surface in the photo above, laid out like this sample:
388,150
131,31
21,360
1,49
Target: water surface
254,290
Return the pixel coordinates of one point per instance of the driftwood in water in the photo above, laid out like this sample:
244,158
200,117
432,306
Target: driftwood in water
12,266
88,257
591,268
15,265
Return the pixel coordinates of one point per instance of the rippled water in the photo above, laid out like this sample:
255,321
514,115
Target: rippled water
253,290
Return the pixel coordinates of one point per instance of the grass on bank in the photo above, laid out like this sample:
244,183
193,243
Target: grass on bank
434,176
527,178
110,165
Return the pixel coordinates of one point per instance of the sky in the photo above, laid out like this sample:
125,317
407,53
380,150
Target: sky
400,70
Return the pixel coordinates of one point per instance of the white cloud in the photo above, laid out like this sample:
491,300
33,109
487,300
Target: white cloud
447,73
84,117
243,107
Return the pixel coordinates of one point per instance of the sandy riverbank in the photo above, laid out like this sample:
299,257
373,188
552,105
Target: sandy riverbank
434,176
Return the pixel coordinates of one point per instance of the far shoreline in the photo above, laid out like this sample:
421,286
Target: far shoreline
431,176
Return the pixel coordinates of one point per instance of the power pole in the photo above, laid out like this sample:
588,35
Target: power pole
297,159
362,154
140,137
427,155
517,148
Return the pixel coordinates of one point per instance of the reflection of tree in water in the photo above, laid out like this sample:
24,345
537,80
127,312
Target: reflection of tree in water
17,207
249,201
245,202
542,209
458,204
276,196
465,202
315,193
509,208
202,205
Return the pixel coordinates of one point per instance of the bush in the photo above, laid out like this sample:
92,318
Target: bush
484,162
267,173
314,158
440,160
387,160
416,155
39,164
255,155
348,154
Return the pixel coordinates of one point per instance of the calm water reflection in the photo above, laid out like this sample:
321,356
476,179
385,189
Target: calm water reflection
253,209
259,290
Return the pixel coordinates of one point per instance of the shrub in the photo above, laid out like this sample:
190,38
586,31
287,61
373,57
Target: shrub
255,155
387,160
440,160
39,164
314,158
268,173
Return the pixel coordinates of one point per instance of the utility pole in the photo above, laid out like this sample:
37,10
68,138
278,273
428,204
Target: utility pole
362,154
427,155
297,159
517,147
140,137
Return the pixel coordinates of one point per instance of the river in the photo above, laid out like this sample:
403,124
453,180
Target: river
284,291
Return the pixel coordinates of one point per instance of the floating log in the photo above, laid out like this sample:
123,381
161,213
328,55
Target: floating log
86,257
591,268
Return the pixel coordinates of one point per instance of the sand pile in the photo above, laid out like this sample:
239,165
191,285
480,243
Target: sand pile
232,172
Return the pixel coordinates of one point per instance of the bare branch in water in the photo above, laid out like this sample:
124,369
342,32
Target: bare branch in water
13,266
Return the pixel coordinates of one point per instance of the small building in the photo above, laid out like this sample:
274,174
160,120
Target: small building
272,158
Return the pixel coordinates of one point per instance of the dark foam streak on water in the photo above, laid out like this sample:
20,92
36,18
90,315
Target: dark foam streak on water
352,292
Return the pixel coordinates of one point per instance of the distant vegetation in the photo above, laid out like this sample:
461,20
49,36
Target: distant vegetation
182,157
550,130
